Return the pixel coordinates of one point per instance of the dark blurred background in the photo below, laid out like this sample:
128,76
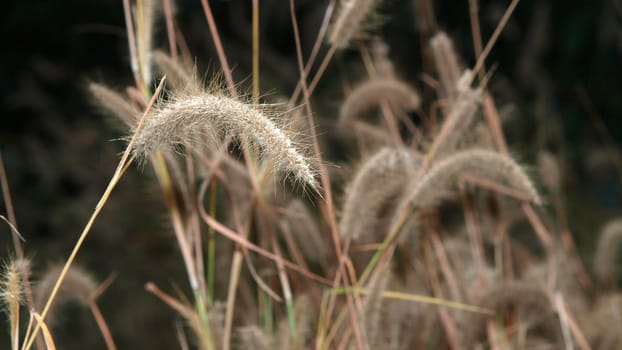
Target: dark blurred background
557,83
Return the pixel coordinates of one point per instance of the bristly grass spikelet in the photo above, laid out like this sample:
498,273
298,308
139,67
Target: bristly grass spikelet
114,104
609,243
427,191
549,171
461,115
78,285
490,164
187,118
380,179
177,75
372,92
350,20
447,65
11,294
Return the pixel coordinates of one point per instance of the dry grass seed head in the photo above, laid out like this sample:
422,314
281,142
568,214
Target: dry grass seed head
380,52
549,171
461,117
12,279
607,248
602,325
114,104
350,21
371,93
78,285
11,292
177,75
379,180
490,164
426,192
447,65
189,118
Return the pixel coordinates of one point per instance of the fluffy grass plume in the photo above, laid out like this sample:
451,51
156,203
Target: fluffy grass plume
11,292
606,252
446,61
372,92
177,75
549,171
78,285
380,52
490,164
429,190
379,179
189,118
602,326
462,114
114,104
350,21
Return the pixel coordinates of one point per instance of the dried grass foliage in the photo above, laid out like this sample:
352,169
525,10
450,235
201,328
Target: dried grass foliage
301,272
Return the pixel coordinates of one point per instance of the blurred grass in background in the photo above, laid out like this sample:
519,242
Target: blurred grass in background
558,76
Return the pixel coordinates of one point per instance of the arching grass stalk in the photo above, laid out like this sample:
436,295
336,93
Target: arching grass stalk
126,160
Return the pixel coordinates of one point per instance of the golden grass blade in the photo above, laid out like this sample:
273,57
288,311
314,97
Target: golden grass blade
422,299
49,341
125,160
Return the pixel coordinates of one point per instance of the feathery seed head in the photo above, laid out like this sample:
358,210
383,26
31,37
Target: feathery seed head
78,285
425,192
189,118
114,104
462,113
379,180
350,21
549,171
178,76
11,286
11,292
372,92
380,51
487,163
447,65
608,246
